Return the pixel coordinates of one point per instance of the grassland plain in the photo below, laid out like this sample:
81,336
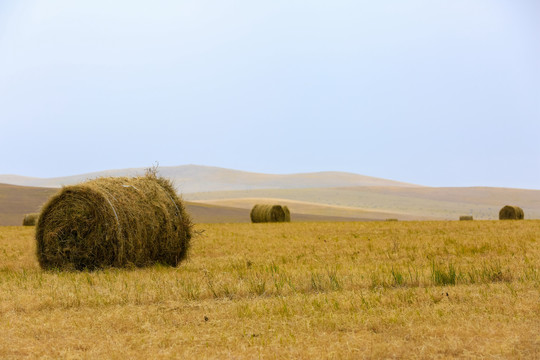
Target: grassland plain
289,290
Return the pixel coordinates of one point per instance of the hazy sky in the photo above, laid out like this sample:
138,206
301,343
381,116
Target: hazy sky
441,93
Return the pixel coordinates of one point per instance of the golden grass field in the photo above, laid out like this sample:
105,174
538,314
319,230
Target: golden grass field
441,289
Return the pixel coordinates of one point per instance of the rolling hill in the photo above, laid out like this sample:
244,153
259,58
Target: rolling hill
401,202
16,201
223,195
214,213
195,178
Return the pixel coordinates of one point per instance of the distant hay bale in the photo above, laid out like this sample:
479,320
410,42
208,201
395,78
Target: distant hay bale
270,213
391,219
287,214
113,222
465,217
30,219
509,212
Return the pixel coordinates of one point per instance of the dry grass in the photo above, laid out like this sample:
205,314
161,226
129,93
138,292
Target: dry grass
289,290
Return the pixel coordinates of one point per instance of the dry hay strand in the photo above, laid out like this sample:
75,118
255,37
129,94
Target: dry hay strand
30,219
465,217
509,212
113,222
270,213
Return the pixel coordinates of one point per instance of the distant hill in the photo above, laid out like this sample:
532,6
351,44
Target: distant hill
301,209
223,195
207,213
402,202
195,178
16,201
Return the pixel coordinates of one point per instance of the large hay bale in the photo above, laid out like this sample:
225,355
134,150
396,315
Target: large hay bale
113,222
270,213
509,212
30,219
465,217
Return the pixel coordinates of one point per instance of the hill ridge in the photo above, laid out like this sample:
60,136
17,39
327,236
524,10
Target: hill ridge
200,178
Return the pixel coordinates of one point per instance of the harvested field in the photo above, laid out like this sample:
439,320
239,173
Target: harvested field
291,290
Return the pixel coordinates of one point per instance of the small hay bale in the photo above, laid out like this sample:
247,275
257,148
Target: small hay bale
270,213
391,219
465,217
113,222
509,212
30,219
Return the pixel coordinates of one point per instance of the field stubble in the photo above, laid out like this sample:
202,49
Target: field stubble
302,290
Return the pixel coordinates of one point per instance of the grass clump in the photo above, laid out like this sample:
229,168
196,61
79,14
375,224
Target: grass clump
441,275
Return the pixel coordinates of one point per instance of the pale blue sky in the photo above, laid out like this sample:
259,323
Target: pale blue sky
441,93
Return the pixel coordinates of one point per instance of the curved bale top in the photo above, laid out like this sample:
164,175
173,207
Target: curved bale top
509,212
30,219
270,213
113,222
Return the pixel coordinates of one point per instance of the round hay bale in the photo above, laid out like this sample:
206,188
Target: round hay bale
113,222
509,212
287,214
270,213
30,219
465,217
